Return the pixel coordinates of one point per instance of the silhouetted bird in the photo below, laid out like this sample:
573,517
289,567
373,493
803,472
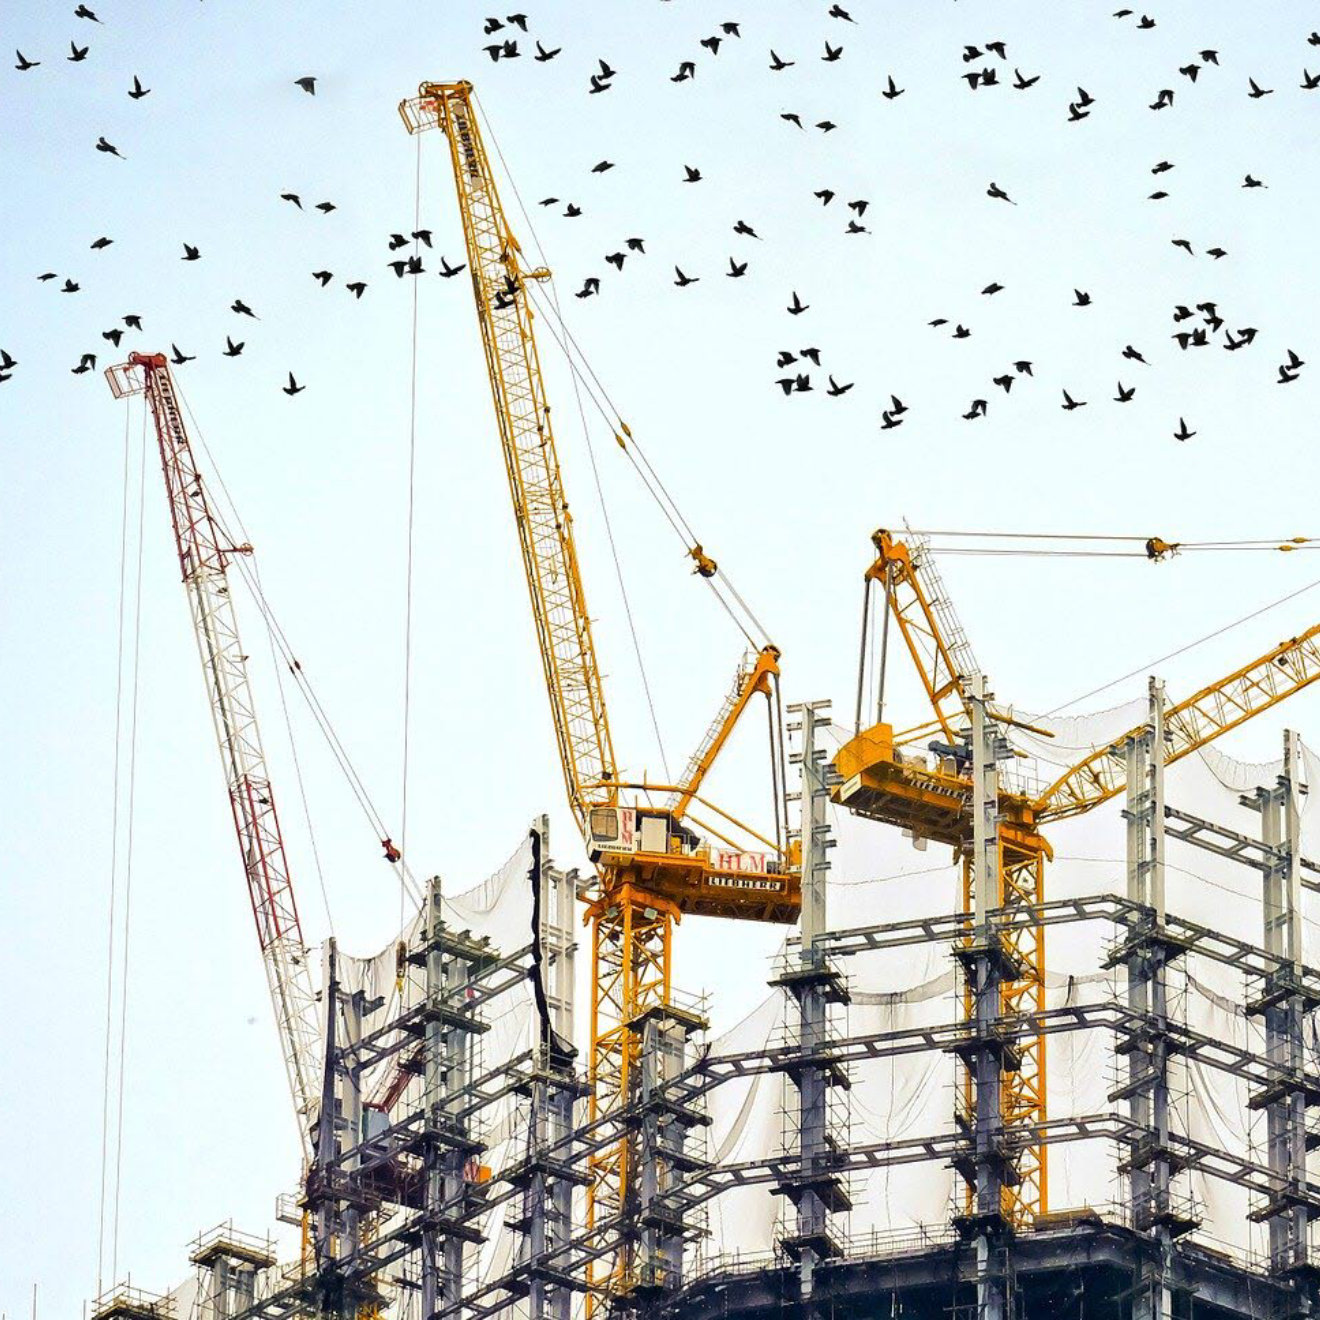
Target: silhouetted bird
691,175
742,227
24,64
1257,91
307,83
232,349
797,306
323,276
543,56
293,387
1069,403
1182,433
684,280
776,64
190,253
108,148
736,270
995,191
836,389
447,271
77,53
1124,395
179,357
139,91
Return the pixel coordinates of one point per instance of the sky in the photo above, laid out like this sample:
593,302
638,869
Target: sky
783,491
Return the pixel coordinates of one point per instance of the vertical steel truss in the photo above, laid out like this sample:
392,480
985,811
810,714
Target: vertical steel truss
631,936
1016,887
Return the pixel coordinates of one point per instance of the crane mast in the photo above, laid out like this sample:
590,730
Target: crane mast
651,866
204,552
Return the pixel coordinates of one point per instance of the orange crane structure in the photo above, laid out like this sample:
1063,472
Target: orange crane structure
884,777
652,867
204,550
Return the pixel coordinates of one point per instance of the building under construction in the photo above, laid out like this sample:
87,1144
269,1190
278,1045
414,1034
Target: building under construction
930,1115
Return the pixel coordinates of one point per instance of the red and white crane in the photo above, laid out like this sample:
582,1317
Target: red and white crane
204,553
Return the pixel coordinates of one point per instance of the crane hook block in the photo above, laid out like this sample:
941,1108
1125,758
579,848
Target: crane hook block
705,565
1157,549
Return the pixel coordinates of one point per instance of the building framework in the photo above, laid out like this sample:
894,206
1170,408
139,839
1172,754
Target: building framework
399,1208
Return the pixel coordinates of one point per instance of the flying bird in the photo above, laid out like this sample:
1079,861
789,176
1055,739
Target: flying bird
893,90
1124,395
83,12
132,320
307,83
776,64
601,166
190,253
978,409
1163,166
100,243
24,64
1081,298
357,288
543,56
1069,403
1132,354
684,280
1184,244
791,118
292,197
1021,83
636,245
736,269
1005,382
995,191
1182,433
1257,91
70,287
447,272
616,259
241,308
742,227
113,336
232,349
108,148
1022,368
811,354
139,91
423,236
832,53
692,175
85,364
835,389
797,306
590,286
1250,182
993,288
325,207
77,53
293,387
323,276
178,357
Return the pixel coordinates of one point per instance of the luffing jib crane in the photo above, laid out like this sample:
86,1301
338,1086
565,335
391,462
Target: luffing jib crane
652,867
884,777
204,553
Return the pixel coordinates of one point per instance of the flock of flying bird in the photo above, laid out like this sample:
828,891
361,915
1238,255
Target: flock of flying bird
1195,326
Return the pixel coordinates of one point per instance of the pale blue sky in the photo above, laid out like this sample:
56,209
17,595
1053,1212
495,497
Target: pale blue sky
782,491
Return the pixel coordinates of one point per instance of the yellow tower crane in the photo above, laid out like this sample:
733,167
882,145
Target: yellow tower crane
651,866
883,777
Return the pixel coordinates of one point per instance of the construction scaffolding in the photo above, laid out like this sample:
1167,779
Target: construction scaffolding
454,1144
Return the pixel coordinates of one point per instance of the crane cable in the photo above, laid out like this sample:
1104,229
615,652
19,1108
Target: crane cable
128,855
408,572
600,397
288,655
114,869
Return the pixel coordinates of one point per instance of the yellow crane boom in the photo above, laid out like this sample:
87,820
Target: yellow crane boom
1191,724
545,525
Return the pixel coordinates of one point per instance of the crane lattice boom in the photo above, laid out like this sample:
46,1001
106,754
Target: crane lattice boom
204,552
1200,719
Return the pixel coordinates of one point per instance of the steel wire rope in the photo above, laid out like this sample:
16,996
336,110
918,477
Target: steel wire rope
605,406
114,866
128,852
287,653
1182,650
408,572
